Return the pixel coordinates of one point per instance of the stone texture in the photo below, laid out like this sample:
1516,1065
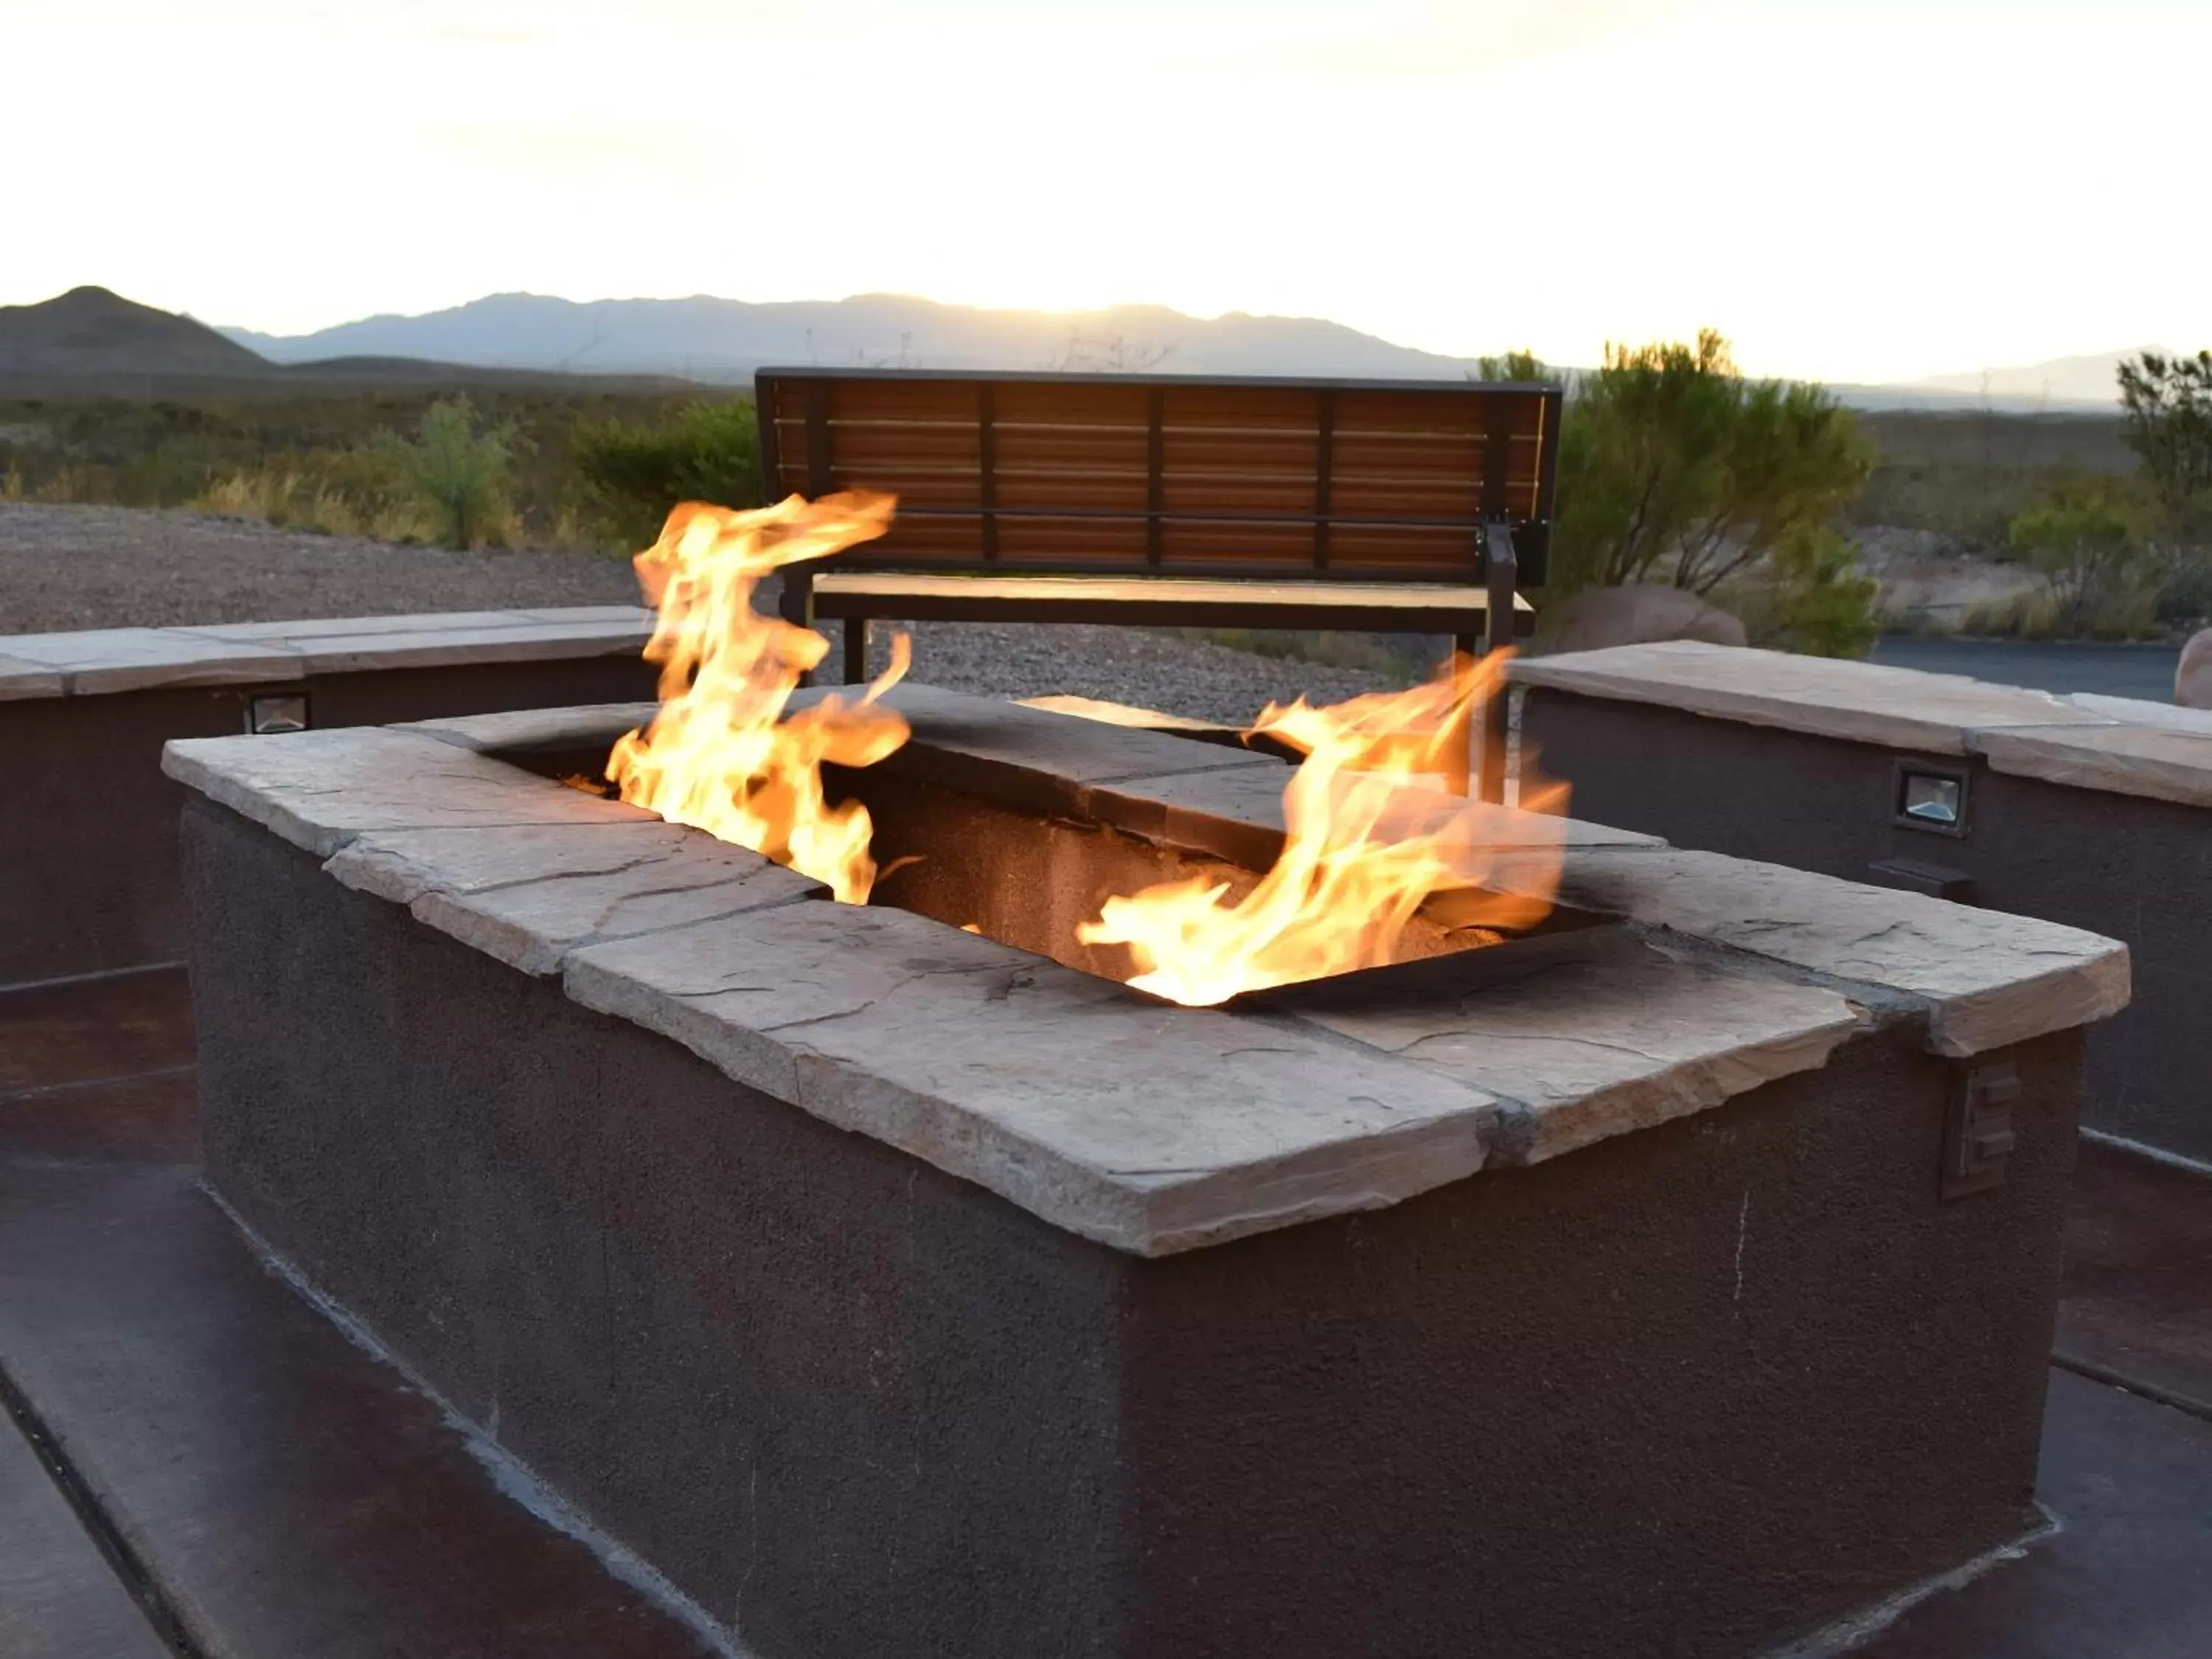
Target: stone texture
1127,715
132,659
1148,1127
315,628
529,894
22,679
1640,613
320,789
2192,676
1981,979
1031,758
2135,711
1592,1034
589,726
239,653
2156,762
347,654
1238,814
1859,702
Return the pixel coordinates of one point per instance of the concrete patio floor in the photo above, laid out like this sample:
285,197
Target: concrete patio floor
201,1464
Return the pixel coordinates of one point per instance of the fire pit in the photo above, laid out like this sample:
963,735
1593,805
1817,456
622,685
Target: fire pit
1674,1275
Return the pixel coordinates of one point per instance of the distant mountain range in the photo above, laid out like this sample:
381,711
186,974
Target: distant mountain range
709,339
2092,379
90,339
721,340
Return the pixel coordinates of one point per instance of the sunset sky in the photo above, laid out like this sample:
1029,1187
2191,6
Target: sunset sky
1864,191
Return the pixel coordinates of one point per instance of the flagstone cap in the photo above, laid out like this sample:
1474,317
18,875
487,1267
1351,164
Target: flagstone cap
111,660
1148,1127
2121,745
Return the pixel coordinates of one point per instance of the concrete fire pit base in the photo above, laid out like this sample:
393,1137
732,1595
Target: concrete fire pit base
878,1362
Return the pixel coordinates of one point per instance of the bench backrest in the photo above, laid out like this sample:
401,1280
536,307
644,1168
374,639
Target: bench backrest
1128,475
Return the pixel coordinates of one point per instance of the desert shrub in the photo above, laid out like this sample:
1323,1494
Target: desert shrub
2086,540
457,474
633,472
1675,469
2168,424
1809,596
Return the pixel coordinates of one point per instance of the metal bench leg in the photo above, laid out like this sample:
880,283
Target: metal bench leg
1501,575
1459,751
856,650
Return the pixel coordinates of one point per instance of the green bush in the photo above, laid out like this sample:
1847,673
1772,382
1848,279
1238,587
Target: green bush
1675,469
459,477
2087,541
634,472
1809,596
2168,424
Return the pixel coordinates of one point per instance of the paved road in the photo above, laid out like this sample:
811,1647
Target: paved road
2120,670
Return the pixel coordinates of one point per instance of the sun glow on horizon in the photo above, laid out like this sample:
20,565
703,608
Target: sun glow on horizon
1850,192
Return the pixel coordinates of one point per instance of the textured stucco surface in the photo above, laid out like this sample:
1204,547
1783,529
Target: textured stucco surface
1693,1390
2135,869
88,825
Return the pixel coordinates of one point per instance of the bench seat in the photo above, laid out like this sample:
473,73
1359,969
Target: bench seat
1158,601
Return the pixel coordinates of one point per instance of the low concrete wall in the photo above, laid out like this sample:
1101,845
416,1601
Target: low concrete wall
2130,866
88,825
1697,1388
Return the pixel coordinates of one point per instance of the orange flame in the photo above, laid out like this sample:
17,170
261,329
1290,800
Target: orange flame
1367,839
719,755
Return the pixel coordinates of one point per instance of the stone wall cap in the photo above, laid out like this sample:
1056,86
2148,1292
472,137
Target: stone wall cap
2156,762
112,660
22,679
1149,1127
1979,979
2138,711
319,790
1824,696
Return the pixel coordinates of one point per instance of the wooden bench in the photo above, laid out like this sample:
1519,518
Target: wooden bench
1387,507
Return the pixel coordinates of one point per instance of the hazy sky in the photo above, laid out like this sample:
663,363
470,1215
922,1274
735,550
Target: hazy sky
1857,191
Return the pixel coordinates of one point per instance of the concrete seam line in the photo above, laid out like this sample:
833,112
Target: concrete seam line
131,1570
2143,1149
2172,1399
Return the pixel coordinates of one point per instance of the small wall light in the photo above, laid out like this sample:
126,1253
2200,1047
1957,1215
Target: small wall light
1930,798
284,712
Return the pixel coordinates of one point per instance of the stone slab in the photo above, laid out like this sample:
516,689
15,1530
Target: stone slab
320,789
590,726
1592,1034
314,628
1857,702
1031,757
110,659
527,895
2138,711
243,653
1238,814
1981,979
22,679
1128,715
1147,1127
353,653
2156,762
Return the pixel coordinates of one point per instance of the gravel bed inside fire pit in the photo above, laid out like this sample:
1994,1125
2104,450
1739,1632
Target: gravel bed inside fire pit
95,567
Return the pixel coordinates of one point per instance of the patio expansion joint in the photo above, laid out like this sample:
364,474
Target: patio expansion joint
112,1540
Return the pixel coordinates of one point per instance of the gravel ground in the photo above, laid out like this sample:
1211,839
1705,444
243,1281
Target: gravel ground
98,567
